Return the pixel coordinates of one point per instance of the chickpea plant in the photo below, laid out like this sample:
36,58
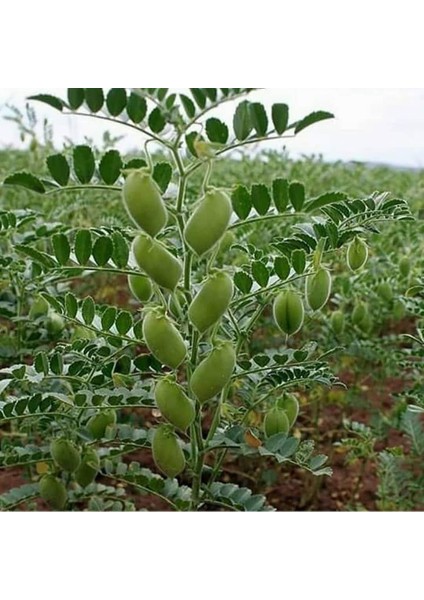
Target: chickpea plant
185,356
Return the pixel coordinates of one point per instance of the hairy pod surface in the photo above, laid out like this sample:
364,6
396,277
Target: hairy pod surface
140,287
405,266
65,454
276,421
88,469
143,201
212,301
55,323
290,405
385,291
209,222
214,372
167,453
289,312
53,492
359,313
357,254
39,308
98,424
318,289
154,259
174,404
337,322
163,339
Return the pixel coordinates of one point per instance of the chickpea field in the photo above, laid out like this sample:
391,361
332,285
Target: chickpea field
203,324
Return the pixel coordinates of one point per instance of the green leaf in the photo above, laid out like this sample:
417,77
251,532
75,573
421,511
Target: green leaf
157,121
124,322
211,93
188,105
41,364
135,163
217,131
280,194
83,246
62,249
162,174
59,169
94,99
75,97
136,108
102,250
121,250
84,164
297,195
242,122
324,200
190,139
311,119
242,202
116,101
199,97
88,310
260,273
108,318
282,267
259,118
261,198
56,363
71,305
280,117
27,181
243,282
299,261
110,167
52,101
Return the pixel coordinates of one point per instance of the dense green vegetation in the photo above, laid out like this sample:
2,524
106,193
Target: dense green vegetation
81,366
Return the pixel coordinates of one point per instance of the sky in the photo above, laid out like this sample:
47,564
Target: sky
380,125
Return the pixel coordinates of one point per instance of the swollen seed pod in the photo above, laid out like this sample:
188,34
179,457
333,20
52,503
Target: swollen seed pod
385,291
53,492
357,254
163,339
39,308
214,372
140,287
290,405
143,200
399,310
88,469
174,405
289,313
318,289
359,313
209,222
276,421
98,424
65,454
55,324
167,452
405,266
154,259
212,301
338,322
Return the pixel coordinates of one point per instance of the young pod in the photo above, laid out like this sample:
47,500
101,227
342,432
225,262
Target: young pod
140,287
214,372
167,452
65,454
163,339
289,312
212,301
276,421
405,266
88,469
174,405
39,308
318,289
53,492
154,259
209,222
385,291
290,405
143,200
359,313
98,424
54,324
357,254
337,322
